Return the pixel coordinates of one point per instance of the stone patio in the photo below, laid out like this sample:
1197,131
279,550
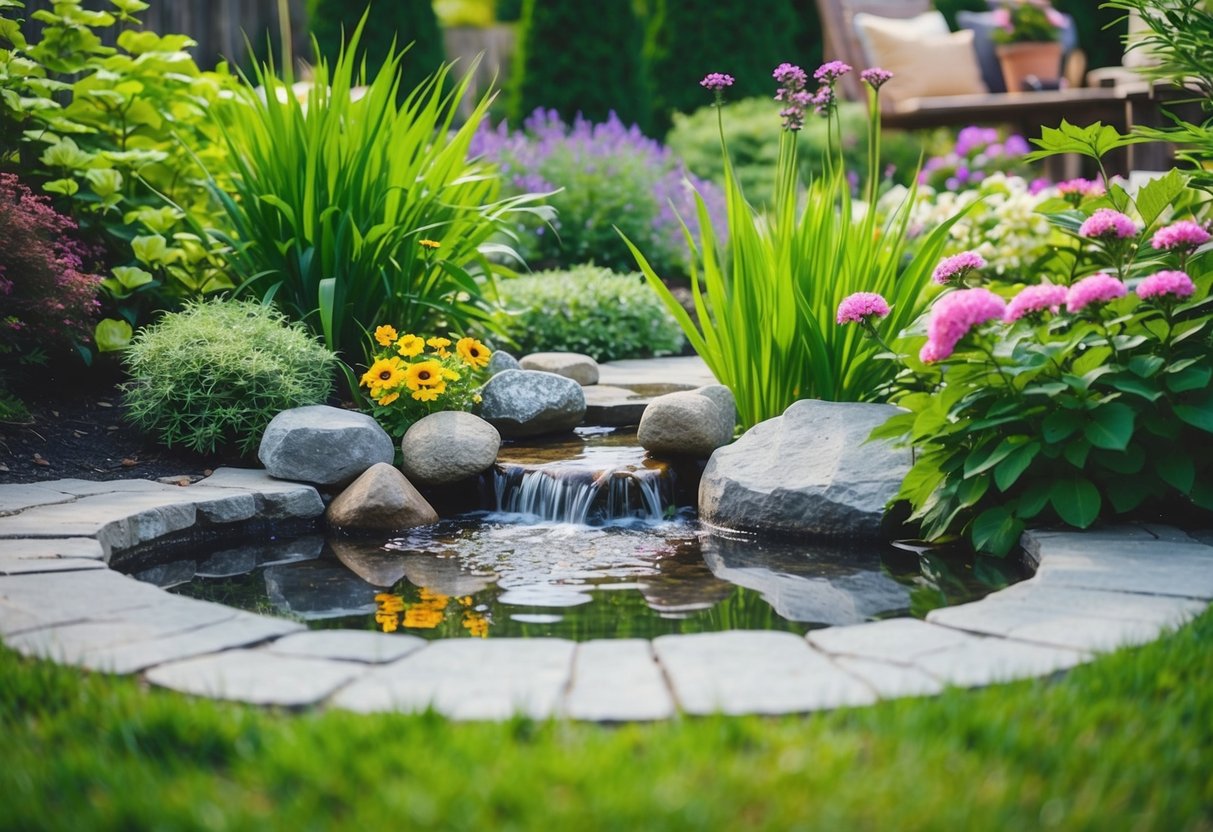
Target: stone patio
1092,592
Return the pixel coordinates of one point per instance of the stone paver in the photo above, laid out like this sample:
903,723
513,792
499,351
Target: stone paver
469,679
987,661
617,680
256,677
1151,566
895,641
50,599
17,498
347,645
745,672
890,681
55,547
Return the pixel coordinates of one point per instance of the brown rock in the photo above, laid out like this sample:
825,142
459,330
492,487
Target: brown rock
380,500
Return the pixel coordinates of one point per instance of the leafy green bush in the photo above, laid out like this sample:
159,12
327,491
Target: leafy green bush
591,310
111,131
351,211
403,22
214,374
580,57
754,146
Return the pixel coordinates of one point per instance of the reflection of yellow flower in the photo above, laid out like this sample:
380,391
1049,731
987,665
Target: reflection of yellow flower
439,345
387,615
429,394
473,352
389,398
385,335
422,617
410,345
476,624
429,243
385,372
430,596
423,374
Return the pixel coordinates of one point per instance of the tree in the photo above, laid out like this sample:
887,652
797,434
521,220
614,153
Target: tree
405,21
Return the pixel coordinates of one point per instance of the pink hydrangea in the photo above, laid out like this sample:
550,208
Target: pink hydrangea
1106,223
1166,283
1034,300
856,308
1081,187
1184,234
954,316
953,269
1098,288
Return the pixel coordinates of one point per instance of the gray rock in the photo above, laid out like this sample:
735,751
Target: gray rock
500,361
529,403
810,471
323,445
689,423
577,366
382,499
447,447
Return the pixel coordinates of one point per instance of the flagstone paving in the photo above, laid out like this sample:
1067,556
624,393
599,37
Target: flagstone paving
1092,592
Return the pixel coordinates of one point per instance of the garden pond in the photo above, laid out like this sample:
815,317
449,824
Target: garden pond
584,538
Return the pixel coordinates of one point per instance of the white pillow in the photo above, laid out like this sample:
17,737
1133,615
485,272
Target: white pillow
927,65
921,26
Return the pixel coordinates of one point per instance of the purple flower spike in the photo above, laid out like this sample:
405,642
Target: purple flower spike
716,81
1166,284
1184,234
1098,288
830,72
857,308
1035,300
875,77
1108,224
954,269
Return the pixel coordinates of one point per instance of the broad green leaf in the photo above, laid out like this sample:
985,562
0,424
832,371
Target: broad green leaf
1146,365
112,334
1060,424
1127,493
1175,467
996,531
1137,386
151,249
65,187
1156,195
989,455
1193,378
130,278
1111,426
1076,452
1009,470
1197,415
104,181
1075,500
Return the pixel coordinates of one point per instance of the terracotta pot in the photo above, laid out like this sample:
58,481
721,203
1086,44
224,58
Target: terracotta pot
1021,60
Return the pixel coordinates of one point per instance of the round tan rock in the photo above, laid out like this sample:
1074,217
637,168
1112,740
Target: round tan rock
580,368
448,447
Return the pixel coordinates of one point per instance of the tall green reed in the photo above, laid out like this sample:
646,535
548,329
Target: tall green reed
765,301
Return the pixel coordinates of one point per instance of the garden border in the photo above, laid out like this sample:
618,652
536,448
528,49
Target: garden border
1092,592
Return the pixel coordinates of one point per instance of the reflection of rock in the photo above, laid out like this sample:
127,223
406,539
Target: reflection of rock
316,589
168,575
229,562
544,595
370,561
443,575
812,585
684,584
307,547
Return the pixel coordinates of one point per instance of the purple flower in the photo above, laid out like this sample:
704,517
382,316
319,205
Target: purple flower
974,138
791,76
1015,145
831,71
1098,288
1166,283
954,269
875,77
954,316
1035,300
1184,234
716,81
823,101
856,308
1108,224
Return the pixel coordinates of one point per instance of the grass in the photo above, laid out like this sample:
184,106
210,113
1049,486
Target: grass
1123,743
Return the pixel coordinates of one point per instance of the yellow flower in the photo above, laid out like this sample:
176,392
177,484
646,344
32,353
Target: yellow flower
389,398
429,243
385,372
385,334
473,352
439,345
429,394
410,345
424,374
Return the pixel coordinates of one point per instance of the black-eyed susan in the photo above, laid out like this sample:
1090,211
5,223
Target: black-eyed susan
410,345
385,334
429,394
439,345
426,373
473,352
383,374
384,401
429,243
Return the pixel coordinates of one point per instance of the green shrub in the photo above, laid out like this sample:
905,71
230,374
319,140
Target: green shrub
687,39
754,145
214,374
575,56
591,310
404,22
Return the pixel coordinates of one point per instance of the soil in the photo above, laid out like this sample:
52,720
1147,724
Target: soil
81,433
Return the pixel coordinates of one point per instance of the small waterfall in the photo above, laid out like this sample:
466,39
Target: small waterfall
568,494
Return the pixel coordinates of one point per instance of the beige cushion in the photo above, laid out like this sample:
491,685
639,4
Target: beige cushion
918,26
926,66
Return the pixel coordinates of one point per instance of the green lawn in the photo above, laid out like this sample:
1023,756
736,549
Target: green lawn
1124,743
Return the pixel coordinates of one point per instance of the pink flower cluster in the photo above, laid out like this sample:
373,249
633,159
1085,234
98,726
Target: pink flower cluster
1035,300
856,308
1108,224
954,269
954,316
1098,288
792,93
1184,234
1080,187
716,81
831,71
1166,284
875,77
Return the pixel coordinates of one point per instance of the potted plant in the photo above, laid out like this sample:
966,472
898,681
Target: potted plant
1028,41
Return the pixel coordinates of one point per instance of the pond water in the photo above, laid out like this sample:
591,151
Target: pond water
580,540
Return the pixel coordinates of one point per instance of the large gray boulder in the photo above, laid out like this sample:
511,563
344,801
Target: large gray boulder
381,500
447,447
530,403
688,423
810,471
577,366
323,445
